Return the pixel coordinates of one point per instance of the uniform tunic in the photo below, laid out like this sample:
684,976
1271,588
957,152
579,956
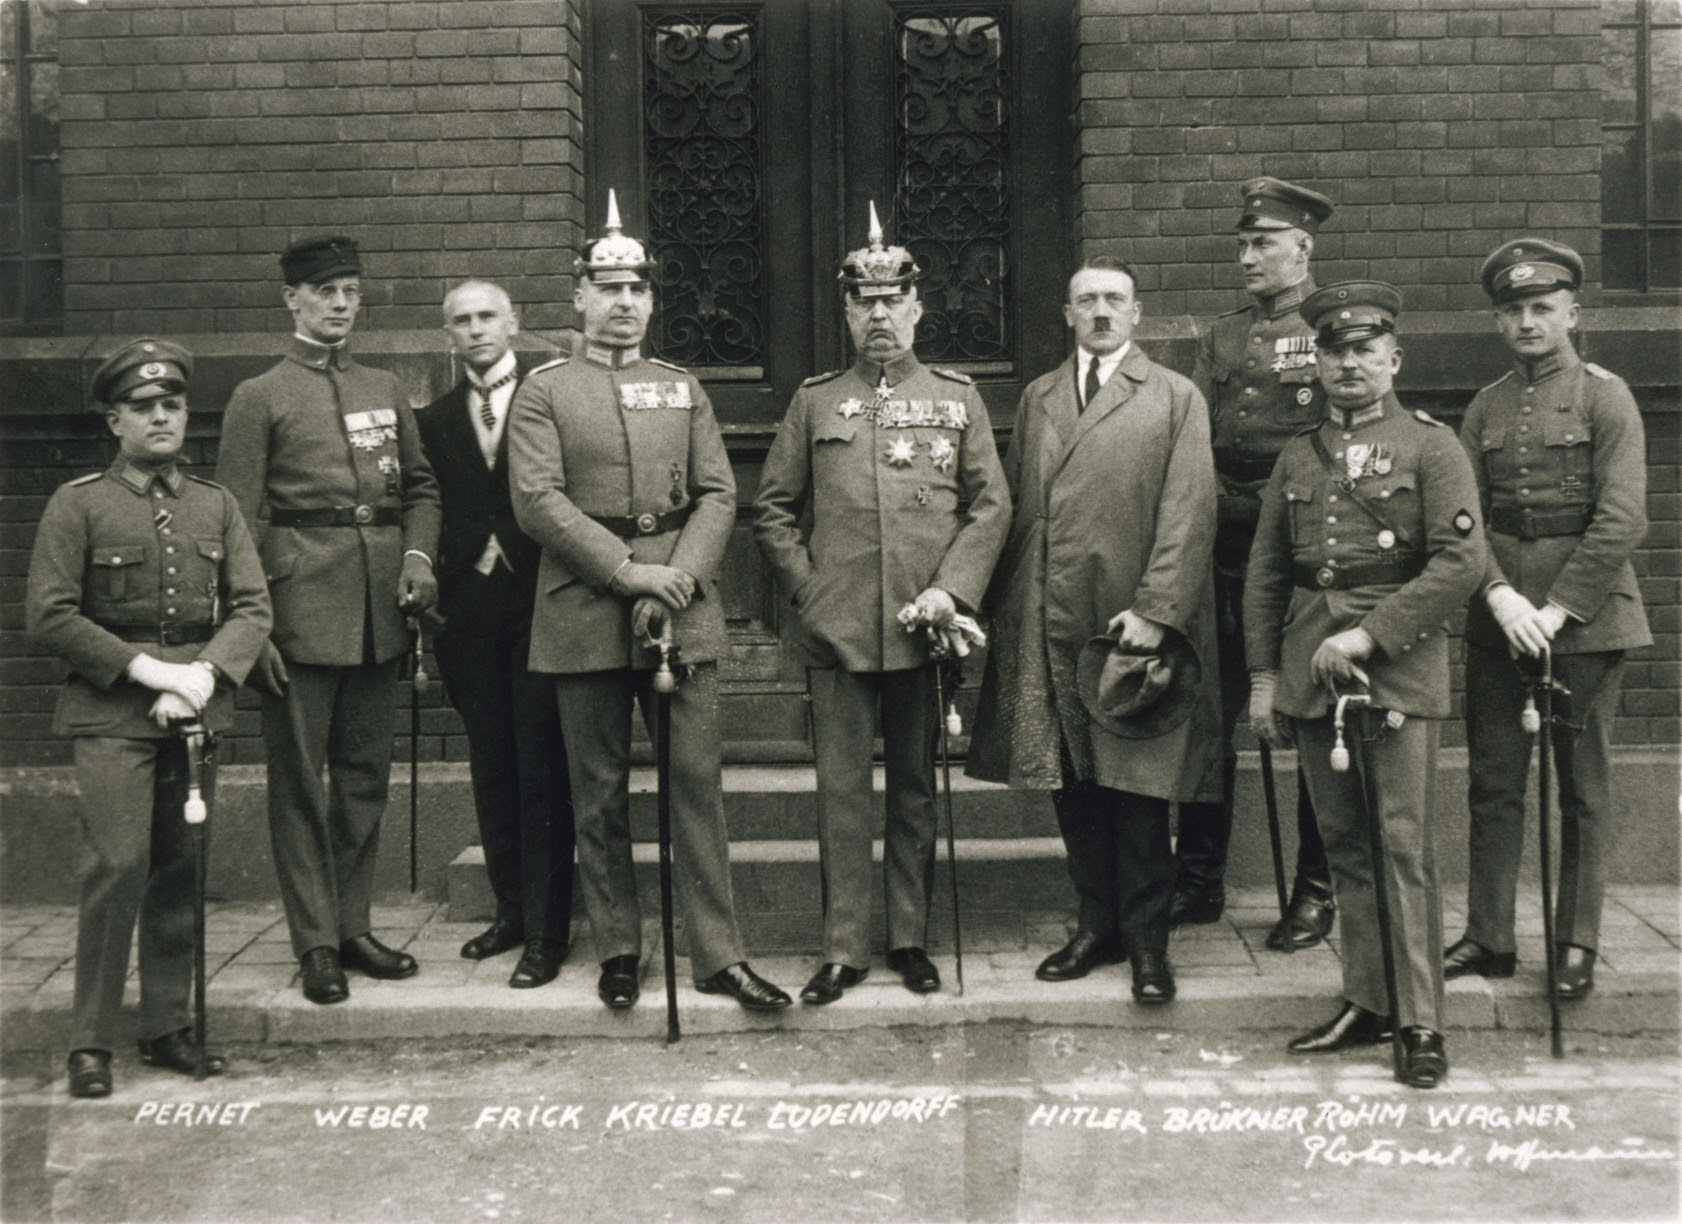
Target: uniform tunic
128,562
319,434
1311,538
612,436
883,481
1560,459
1256,368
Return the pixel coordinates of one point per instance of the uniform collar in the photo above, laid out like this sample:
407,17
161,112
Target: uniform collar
1562,361
895,370
139,477
1386,405
1286,300
318,356
610,356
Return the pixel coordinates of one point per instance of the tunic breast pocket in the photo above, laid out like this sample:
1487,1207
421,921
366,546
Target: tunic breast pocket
1301,498
1396,498
116,572
207,576
831,447
1568,446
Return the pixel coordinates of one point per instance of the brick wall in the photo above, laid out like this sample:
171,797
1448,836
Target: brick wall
1440,129
200,137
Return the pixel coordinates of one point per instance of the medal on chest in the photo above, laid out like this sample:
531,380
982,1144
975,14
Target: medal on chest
371,430
649,396
1292,353
1367,459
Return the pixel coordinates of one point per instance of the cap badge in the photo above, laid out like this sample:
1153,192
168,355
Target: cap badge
1522,273
152,369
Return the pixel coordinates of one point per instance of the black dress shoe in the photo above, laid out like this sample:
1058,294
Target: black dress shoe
1307,921
915,969
1153,980
746,987
1424,1064
376,960
829,982
90,1073
1353,1026
324,979
494,940
1197,904
539,964
619,984
1573,971
175,1052
1465,956
1080,956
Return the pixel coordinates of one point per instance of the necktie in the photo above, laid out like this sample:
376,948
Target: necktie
1092,384
487,414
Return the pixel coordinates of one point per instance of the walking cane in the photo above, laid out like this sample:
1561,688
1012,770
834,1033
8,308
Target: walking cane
1543,722
1272,797
417,678
1380,871
201,752
665,684
948,675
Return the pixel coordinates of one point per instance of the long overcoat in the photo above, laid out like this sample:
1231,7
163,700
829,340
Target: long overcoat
1114,509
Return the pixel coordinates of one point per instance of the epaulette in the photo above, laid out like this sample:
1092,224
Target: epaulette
1497,382
1428,418
822,378
956,377
88,479
1598,371
1308,429
547,365
668,365
203,481
1236,310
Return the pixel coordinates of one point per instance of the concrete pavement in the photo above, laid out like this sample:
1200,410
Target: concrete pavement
1228,982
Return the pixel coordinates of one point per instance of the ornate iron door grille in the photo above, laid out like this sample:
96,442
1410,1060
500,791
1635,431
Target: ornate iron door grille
952,203
702,143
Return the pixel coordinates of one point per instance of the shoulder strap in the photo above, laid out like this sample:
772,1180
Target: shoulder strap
1347,485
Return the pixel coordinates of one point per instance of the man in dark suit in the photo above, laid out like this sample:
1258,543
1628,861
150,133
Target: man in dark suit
487,575
323,455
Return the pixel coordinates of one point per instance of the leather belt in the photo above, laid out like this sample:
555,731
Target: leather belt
1343,578
627,526
1530,526
164,635
1241,469
338,516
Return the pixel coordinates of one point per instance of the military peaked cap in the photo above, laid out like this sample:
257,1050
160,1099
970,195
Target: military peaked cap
1271,203
1352,310
1528,266
142,369
310,260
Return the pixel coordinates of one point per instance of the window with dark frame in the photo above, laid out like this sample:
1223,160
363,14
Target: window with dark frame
31,251
1641,159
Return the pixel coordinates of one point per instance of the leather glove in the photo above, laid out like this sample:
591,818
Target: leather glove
268,674
648,618
417,588
193,685
1519,619
1338,656
1136,631
1263,721
169,711
934,607
673,587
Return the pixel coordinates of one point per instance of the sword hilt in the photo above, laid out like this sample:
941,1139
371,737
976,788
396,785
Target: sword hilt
1340,754
419,679
665,679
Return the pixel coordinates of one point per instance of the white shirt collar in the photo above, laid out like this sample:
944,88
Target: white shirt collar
503,365
1106,364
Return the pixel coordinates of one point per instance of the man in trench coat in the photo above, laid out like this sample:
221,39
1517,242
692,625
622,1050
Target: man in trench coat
1114,491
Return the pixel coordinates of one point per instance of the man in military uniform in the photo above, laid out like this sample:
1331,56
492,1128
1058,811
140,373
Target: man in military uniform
145,581
1367,542
326,462
1255,367
882,491
618,471
1561,463
487,576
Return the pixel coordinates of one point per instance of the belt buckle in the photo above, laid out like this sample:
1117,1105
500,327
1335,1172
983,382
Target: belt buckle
646,524
1324,576
363,514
